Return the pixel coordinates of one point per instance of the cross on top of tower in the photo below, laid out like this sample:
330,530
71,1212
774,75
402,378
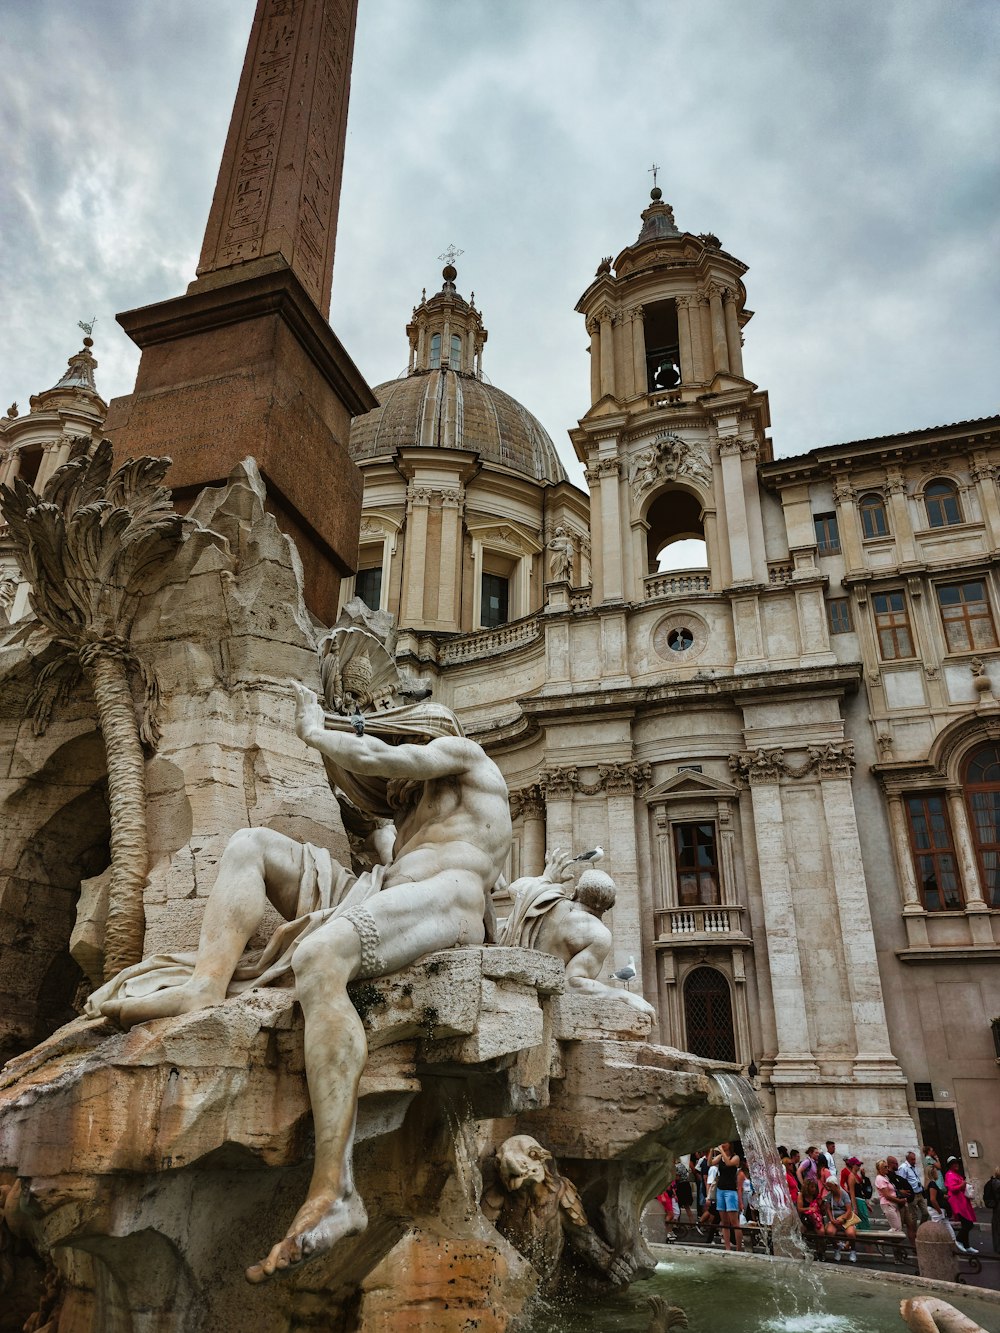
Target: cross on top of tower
652,172
87,325
451,254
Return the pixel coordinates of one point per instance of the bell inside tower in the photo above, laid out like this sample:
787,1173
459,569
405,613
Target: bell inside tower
663,363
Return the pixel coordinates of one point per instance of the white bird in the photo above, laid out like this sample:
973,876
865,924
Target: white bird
593,856
625,973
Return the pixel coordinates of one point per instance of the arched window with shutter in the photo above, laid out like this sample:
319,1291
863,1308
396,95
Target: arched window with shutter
708,1015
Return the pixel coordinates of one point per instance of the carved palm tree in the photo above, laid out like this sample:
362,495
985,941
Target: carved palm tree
85,546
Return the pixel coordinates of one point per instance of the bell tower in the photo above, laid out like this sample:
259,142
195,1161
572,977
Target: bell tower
674,431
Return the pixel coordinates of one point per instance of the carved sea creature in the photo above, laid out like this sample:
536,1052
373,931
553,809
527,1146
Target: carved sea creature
665,1317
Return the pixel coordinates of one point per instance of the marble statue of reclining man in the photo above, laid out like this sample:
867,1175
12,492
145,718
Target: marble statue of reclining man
567,925
450,806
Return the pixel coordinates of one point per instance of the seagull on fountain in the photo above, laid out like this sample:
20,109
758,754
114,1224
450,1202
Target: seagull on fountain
593,856
626,973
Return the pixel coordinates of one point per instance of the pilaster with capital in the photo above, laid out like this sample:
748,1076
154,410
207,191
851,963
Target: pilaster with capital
624,363
873,1055
734,497
734,348
594,329
418,500
685,338
984,474
899,509
845,502
607,352
761,769
528,804
638,349
720,348
612,588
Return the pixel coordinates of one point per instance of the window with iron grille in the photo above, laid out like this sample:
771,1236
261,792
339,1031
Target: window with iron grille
892,625
982,793
708,1015
934,852
838,611
696,864
966,615
923,1092
827,534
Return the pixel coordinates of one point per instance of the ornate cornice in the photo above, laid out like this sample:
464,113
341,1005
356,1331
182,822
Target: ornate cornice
835,759
622,778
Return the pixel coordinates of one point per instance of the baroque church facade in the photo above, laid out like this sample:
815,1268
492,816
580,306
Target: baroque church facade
789,749
788,745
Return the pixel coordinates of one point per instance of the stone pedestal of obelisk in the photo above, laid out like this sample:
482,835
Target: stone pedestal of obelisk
245,363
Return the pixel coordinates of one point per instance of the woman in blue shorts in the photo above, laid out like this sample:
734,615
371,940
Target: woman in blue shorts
727,1198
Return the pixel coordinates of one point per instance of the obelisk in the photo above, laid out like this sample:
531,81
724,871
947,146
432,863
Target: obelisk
245,363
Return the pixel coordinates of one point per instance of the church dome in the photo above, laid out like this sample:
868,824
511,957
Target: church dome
442,402
446,409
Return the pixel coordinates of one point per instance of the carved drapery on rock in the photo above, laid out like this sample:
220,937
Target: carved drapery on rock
85,546
835,759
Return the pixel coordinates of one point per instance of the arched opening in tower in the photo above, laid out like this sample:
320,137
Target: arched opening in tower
676,535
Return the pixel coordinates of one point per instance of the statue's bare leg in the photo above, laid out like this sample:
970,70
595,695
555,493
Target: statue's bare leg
257,864
412,920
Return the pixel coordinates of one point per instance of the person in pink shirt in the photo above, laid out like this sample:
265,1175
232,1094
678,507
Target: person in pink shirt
962,1215
889,1201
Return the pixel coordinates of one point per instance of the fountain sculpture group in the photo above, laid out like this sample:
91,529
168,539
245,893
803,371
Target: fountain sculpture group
370,1086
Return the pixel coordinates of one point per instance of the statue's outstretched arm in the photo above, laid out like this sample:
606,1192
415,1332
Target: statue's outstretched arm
440,758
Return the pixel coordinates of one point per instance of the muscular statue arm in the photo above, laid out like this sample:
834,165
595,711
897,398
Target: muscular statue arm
441,758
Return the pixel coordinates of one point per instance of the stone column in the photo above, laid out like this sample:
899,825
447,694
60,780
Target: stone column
414,572
623,352
611,530
558,785
904,858
685,338
984,474
9,467
638,350
621,783
607,353
794,1062
449,591
736,510
533,830
701,336
720,349
835,763
51,458
734,345
848,526
594,329
974,901
902,528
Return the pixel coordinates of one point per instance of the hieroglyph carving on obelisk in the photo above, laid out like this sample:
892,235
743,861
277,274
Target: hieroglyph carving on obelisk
278,190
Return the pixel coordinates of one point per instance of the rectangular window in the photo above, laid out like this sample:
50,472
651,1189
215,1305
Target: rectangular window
827,534
838,610
368,586
965,612
496,601
696,863
933,853
923,1092
892,625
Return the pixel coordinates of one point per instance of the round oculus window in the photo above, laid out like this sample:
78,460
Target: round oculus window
680,640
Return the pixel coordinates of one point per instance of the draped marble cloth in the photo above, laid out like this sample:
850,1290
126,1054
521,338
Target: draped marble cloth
326,891
532,903
326,888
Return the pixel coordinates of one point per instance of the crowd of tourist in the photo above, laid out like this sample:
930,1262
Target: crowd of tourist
713,1192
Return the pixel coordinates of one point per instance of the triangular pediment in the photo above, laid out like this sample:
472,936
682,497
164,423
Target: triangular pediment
689,784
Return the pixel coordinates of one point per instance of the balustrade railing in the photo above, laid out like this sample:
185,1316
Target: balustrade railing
488,642
676,585
687,921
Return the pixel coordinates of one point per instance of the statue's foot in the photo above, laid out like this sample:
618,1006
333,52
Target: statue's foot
319,1224
166,1003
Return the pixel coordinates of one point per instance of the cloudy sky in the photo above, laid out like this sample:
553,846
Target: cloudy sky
847,150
